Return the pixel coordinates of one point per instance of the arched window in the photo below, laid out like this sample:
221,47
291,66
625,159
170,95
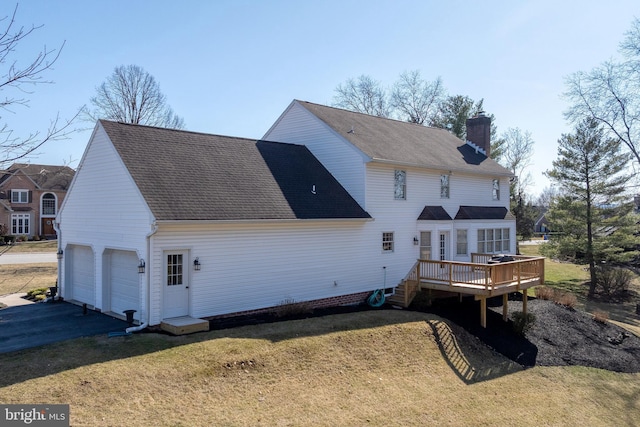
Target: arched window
48,204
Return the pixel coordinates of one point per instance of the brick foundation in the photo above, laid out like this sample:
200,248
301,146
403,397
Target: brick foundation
351,299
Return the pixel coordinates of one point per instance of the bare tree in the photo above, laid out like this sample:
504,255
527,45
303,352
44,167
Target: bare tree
15,81
132,95
609,94
517,151
363,95
417,100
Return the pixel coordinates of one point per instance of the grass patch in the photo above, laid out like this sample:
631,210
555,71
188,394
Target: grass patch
26,277
375,368
26,247
562,276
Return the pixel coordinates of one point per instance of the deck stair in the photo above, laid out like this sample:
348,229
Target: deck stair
407,290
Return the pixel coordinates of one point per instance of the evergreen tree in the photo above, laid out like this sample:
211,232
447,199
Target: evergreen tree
592,217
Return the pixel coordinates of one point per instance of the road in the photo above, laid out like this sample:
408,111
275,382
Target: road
28,258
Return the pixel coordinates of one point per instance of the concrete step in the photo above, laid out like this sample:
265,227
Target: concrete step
184,325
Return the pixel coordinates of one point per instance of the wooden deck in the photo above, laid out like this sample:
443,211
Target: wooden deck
478,277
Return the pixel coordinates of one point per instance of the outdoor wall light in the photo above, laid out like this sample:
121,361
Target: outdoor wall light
141,266
60,253
415,240
196,264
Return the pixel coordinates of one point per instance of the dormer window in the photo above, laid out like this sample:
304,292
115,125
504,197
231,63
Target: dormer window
444,186
400,185
496,189
19,196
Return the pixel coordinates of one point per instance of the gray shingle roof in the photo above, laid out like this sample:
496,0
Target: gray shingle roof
405,143
46,177
483,212
434,213
194,176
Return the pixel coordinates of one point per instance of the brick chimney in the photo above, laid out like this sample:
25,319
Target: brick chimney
479,131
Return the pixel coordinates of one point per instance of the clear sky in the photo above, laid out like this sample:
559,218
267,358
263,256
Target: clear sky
232,67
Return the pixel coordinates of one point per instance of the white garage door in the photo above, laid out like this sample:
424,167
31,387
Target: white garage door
124,282
82,278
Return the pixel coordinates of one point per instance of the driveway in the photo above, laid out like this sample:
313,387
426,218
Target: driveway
33,325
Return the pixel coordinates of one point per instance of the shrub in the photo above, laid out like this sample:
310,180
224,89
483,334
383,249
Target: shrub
289,307
613,283
600,316
522,322
545,293
567,300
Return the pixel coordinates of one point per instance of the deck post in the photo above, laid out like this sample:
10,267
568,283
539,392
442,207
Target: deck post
505,302
524,300
483,312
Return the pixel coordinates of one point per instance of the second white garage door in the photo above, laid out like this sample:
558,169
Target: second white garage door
124,282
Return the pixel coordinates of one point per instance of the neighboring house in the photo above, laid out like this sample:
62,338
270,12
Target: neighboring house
30,196
341,204
542,225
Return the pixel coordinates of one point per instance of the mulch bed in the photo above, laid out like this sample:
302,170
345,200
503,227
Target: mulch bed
561,336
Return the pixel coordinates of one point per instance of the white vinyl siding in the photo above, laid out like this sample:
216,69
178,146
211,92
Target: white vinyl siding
252,266
85,218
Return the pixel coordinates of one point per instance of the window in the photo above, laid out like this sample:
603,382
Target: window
494,240
387,242
400,185
174,269
20,224
461,242
48,204
444,186
496,189
19,196
425,245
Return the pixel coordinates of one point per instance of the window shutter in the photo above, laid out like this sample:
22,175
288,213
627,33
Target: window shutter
10,196
30,196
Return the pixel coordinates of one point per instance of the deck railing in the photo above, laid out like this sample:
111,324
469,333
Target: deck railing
479,275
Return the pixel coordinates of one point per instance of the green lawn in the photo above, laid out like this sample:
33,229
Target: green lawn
561,275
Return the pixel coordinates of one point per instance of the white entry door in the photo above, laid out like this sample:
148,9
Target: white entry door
176,285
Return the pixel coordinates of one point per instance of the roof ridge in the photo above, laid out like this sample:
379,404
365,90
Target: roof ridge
371,115
178,130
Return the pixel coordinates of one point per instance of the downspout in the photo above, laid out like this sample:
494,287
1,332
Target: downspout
147,274
56,226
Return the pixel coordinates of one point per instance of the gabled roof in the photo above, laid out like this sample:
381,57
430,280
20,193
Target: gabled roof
404,143
194,176
434,213
45,177
483,212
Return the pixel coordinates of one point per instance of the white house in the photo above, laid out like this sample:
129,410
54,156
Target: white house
174,223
